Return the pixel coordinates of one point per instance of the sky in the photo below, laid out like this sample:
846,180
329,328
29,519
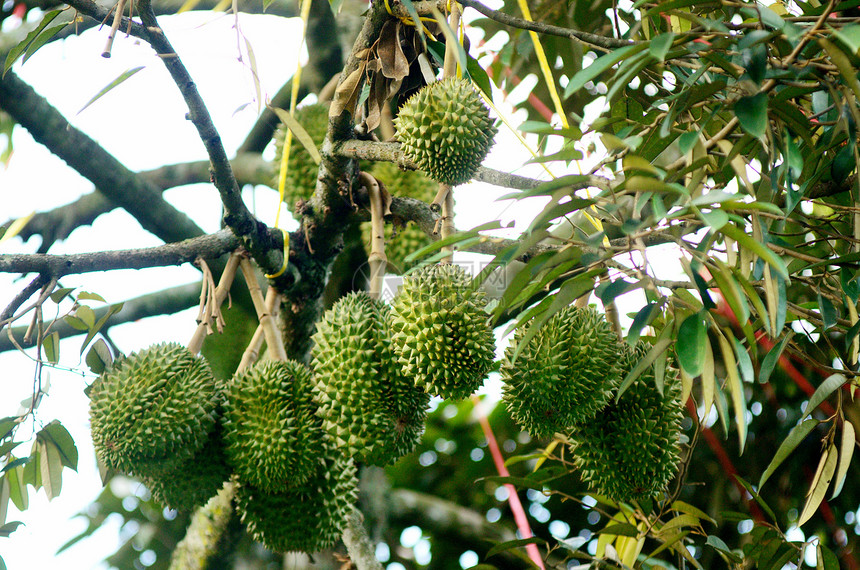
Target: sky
141,122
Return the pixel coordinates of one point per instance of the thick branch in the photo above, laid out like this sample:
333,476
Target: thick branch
122,186
57,224
390,152
164,302
208,529
209,246
249,230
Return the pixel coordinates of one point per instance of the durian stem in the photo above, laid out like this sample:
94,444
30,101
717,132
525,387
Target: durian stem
268,324
448,228
252,352
449,67
215,301
358,544
208,526
611,310
377,259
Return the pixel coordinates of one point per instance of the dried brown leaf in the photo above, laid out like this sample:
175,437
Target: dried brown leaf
394,62
346,94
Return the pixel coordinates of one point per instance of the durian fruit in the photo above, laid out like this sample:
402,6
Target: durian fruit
446,130
194,481
401,240
630,451
442,334
271,431
302,173
307,518
153,410
564,374
369,408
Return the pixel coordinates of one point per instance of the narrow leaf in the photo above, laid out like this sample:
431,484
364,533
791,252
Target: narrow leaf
21,48
846,452
107,88
771,358
51,467
514,544
737,390
820,483
752,114
797,434
51,344
300,133
690,347
830,385
659,348
60,437
16,227
756,247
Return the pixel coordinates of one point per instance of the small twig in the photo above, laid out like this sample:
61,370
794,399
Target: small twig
252,351
216,299
8,313
274,343
117,20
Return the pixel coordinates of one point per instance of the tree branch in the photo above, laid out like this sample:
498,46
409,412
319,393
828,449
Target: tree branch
208,247
514,22
122,186
164,302
390,152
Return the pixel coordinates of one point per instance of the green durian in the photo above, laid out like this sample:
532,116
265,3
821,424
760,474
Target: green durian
369,408
308,518
193,482
272,433
564,375
301,179
446,130
442,334
153,410
630,451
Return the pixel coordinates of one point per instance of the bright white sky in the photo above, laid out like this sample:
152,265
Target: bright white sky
141,122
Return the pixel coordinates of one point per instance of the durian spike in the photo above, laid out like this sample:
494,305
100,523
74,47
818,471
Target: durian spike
377,259
252,351
215,300
270,329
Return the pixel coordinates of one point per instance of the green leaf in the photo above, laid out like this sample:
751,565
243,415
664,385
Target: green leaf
109,87
9,528
758,499
4,498
61,294
659,348
751,112
820,483
600,65
715,219
846,452
51,469
659,46
850,36
88,296
299,132
830,385
59,436
745,364
718,544
20,49
733,381
99,357
682,520
641,320
683,507
620,529
510,544
51,344
797,434
18,488
756,247
772,357
479,76
690,347
94,330
828,311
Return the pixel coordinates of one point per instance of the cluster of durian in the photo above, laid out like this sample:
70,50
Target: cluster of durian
401,240
446,130
565,379
301,177
159,414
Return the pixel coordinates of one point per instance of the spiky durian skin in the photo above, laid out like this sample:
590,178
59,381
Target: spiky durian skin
301,179
630,451
369,408
308,518
442,334
153,409
271,430
564,374
193,482
446,130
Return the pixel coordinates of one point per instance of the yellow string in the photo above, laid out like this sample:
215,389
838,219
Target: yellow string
288,139
408,20
544,66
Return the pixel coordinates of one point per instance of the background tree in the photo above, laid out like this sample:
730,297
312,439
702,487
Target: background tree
722,138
